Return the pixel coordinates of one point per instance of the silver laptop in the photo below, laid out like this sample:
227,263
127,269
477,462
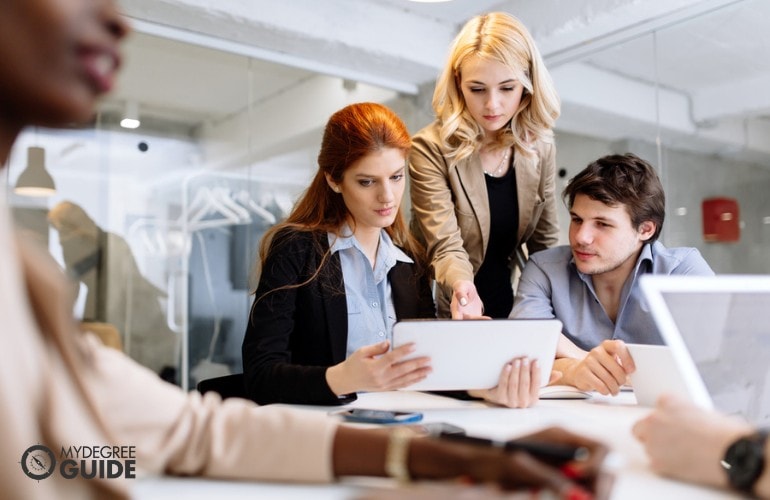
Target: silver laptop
470,354
717,330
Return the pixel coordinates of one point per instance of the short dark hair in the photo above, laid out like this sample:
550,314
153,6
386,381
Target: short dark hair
622,179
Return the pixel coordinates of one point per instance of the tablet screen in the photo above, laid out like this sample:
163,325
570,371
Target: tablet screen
470,354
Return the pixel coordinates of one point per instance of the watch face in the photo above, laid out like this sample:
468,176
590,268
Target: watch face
38,462
746,460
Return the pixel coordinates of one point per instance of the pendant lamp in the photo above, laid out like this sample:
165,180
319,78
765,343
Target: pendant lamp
35,179
131,115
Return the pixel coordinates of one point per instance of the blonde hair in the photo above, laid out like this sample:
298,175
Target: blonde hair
500,37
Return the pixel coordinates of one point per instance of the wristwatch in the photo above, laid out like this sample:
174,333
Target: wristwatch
744,461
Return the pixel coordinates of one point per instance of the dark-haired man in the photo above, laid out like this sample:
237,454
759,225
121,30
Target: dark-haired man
617,208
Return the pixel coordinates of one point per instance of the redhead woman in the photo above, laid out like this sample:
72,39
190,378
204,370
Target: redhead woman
339,272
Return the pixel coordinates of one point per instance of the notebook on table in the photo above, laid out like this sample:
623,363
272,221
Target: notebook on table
470,354
717,335
560,391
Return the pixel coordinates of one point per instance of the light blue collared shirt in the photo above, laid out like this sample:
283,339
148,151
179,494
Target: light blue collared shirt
552,287
371,314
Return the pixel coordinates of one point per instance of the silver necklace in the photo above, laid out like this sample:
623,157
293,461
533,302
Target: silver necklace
503,162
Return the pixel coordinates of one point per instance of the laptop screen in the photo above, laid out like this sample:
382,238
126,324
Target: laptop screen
724,324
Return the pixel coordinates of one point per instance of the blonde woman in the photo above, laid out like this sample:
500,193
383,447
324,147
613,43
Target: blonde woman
482,175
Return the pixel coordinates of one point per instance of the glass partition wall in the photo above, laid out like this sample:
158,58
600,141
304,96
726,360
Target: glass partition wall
688,96
158,226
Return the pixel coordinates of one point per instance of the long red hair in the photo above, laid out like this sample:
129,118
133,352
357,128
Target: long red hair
351,133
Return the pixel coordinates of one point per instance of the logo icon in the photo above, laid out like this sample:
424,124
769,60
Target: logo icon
38,462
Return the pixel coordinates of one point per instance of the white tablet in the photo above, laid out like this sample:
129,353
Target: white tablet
470,354
657,372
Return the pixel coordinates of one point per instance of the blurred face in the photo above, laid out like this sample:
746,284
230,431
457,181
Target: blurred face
57,57
491,92
602,238
372,189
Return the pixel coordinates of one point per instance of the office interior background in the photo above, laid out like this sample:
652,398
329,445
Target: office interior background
231,98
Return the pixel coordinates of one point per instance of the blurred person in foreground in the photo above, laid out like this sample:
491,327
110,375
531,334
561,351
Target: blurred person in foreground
701,446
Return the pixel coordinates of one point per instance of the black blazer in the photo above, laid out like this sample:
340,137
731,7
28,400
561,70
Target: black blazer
295,334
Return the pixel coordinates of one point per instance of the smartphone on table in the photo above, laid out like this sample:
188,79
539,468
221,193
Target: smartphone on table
366,416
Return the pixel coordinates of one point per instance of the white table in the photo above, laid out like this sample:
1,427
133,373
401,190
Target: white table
608,419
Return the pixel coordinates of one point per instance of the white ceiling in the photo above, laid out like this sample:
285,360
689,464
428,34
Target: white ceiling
707,63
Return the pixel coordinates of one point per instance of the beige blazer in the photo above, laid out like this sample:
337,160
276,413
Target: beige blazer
450,208
59,387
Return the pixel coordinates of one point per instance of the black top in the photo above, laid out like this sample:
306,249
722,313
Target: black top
493,279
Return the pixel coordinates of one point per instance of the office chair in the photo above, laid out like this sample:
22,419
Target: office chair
228,386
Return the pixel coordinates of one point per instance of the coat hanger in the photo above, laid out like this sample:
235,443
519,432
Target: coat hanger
214,208
245,199
225,196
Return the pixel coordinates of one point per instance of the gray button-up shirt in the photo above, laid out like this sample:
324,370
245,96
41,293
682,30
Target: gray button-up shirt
371,314
552,287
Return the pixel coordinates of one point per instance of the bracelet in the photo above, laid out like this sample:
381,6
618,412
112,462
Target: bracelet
397,454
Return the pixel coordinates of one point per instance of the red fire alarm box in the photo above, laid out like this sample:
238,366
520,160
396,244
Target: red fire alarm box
721,220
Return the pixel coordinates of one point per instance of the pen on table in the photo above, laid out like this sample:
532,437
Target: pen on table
546,451
550,451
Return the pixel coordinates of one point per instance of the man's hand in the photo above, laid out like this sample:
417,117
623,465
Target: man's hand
604,369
